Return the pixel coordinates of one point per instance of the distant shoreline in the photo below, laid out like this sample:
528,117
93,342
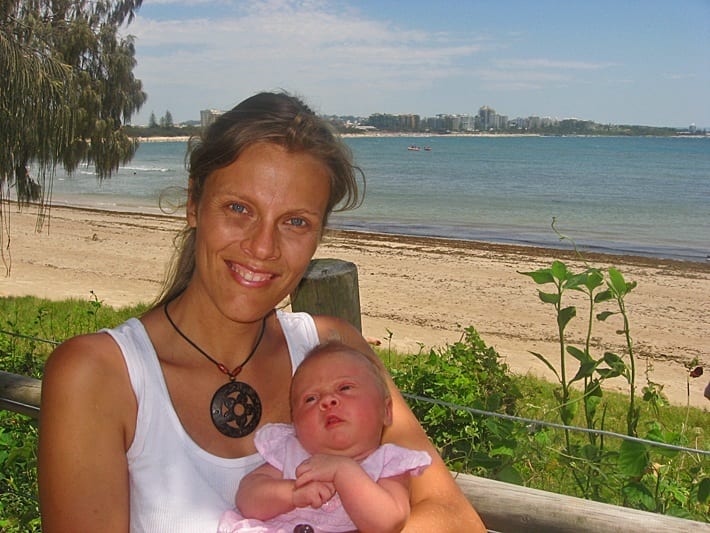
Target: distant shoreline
416,135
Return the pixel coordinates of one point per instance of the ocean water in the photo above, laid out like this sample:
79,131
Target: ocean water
637,195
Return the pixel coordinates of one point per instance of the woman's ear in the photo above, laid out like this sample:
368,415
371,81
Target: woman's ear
191,207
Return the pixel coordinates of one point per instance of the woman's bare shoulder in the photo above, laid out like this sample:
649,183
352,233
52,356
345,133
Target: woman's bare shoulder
89,349
92,360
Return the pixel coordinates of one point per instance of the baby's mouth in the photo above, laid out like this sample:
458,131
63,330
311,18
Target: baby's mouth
332,420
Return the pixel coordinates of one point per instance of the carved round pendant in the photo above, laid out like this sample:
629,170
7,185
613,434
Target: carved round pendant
236,409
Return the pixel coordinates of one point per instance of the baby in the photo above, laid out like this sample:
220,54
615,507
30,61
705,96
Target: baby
328,471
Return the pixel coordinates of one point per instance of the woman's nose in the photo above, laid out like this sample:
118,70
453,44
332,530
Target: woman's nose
261,241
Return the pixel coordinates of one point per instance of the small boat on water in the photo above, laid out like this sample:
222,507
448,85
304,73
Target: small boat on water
413,148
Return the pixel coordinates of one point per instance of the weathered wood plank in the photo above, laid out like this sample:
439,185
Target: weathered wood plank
508,508
20,394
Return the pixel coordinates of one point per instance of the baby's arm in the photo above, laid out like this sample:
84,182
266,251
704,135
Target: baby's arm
264,494
372,506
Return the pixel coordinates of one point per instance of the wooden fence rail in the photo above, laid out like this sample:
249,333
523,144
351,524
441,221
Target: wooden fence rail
504,507
20,394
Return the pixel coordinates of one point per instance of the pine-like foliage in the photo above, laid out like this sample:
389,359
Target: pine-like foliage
66,90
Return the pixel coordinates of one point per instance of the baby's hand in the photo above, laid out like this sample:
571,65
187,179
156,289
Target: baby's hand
322,467
313,494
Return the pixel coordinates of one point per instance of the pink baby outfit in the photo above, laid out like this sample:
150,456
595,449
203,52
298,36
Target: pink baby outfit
278,444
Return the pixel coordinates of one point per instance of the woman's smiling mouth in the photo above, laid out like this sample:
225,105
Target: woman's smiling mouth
249,275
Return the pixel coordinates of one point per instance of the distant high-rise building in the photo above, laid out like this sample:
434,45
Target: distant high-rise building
486,117
208,116
466,123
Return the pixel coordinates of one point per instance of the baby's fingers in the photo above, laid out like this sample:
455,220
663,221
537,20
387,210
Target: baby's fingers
303,478
313,495
305,473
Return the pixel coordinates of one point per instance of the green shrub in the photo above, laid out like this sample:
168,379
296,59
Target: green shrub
466,373
19,505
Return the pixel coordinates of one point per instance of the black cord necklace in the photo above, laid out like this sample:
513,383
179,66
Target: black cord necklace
236,407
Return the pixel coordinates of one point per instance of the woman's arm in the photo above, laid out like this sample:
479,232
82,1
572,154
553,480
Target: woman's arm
87,419
437,503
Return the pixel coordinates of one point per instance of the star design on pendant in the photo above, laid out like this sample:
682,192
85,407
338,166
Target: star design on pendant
236,409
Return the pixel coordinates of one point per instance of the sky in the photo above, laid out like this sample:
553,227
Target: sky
642,62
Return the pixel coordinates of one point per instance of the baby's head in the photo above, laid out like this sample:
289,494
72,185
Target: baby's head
340,402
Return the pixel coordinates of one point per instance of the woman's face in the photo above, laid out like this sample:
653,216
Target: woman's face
338,407
258,223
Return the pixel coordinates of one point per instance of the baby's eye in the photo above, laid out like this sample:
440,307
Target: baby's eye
310,399
346,387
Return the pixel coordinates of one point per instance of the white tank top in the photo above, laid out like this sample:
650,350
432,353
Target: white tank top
176,486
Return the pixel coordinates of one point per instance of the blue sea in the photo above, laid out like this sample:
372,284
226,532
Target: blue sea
625,195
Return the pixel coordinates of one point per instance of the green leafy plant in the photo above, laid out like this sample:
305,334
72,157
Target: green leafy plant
19,506
640,471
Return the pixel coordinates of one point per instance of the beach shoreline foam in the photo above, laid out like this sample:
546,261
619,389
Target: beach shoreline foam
424,290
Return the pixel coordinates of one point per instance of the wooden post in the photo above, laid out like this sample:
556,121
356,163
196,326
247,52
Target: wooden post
329,287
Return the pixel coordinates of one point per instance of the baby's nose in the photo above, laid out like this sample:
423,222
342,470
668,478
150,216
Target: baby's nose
328,401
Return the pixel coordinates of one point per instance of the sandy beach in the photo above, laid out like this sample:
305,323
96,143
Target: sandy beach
423,290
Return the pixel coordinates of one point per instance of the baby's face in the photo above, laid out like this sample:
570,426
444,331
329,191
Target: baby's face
338,407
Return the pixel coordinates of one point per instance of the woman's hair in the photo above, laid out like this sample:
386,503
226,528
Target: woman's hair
277,118
335,347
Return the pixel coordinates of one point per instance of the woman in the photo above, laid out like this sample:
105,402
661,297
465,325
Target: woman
150,426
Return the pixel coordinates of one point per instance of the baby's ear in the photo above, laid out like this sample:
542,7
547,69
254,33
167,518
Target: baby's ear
388,411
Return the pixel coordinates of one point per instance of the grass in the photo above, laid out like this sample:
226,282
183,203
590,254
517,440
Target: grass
35,320
467,373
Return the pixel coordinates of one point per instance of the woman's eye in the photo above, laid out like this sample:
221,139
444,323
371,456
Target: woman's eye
297,221
237,208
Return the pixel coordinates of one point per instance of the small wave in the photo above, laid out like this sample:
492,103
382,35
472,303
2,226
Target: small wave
146,169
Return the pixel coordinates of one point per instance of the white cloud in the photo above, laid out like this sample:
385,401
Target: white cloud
281,43
541,63
536,73
679,76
